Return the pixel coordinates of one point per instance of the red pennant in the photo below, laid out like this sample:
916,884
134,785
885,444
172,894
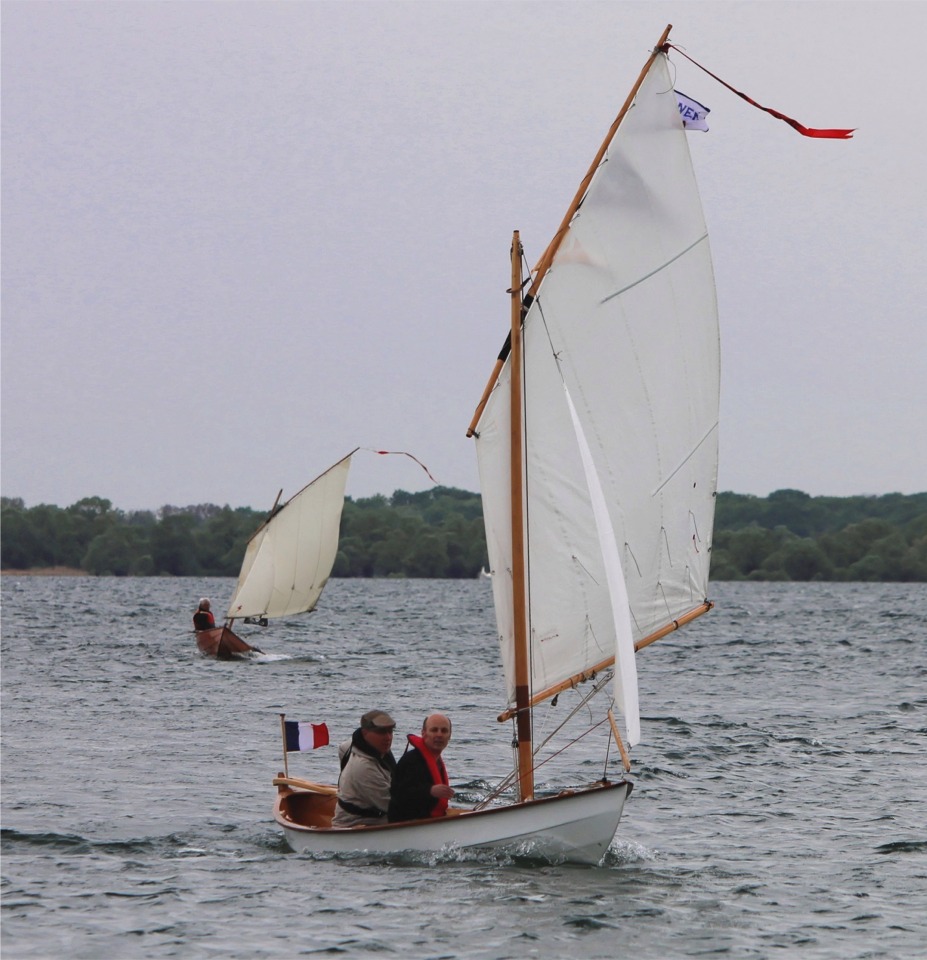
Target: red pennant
803,130
402,453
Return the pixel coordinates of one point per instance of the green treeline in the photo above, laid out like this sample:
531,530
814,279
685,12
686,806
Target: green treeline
439,534
790,535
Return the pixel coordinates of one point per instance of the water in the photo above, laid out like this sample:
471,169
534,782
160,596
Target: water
780,806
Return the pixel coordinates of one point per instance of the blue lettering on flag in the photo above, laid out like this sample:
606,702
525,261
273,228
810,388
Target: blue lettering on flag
694,114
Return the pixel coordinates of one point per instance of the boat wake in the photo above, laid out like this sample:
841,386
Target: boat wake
285,657
432,858
622,852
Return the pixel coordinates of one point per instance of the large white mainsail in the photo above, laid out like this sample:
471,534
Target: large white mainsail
289,559
626,321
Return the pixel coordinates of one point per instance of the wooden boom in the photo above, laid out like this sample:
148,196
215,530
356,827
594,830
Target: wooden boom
578,678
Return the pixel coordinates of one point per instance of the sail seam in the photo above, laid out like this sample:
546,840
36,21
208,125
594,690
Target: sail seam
655,271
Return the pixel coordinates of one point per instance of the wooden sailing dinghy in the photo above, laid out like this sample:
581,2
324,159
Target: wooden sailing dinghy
287,562
597,445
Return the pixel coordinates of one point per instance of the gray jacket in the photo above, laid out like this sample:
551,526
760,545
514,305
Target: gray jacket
363,785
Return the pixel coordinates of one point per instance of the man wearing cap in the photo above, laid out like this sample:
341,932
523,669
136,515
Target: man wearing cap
367,765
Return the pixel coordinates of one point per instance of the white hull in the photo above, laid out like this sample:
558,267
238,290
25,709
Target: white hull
575,827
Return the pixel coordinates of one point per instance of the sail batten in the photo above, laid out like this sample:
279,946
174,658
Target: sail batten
655,270
686,459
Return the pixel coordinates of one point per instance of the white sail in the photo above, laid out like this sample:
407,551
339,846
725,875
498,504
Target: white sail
289,559
625,674
626,320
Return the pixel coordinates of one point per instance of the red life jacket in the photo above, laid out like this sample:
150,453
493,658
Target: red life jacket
437,770
199,623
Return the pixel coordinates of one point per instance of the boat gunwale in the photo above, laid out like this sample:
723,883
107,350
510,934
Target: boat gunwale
286,791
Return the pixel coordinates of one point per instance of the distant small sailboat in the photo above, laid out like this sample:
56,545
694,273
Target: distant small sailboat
597,446
287,562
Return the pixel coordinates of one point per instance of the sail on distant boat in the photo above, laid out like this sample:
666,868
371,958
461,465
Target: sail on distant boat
287,561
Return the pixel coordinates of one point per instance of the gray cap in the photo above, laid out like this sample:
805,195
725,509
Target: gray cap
377,720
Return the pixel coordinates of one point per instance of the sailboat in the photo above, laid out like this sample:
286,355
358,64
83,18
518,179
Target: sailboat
597,446
287,562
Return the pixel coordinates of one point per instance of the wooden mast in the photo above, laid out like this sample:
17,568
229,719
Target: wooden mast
547,257
519,578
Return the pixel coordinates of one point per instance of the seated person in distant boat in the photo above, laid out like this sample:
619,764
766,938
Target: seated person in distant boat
203,618
420,787
367,765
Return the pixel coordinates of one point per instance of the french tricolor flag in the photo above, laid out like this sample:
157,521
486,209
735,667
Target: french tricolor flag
305,736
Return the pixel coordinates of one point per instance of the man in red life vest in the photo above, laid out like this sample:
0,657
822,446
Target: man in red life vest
203,618
420,787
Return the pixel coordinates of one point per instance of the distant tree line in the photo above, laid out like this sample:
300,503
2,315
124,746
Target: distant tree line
790,535
439,533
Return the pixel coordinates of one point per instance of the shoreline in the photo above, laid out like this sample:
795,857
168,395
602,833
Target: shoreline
46,572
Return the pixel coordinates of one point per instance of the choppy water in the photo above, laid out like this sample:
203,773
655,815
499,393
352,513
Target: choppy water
780,806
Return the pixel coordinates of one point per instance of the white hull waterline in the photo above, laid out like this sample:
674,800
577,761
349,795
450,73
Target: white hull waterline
575,826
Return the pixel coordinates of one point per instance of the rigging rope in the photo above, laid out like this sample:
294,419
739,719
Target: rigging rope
401,453
512,776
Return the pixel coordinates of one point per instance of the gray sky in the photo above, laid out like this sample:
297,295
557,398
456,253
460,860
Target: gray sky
240,239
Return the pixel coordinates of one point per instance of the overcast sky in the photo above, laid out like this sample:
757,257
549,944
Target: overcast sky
240,239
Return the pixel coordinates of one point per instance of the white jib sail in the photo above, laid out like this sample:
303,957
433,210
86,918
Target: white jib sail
624,685
289,560
627,319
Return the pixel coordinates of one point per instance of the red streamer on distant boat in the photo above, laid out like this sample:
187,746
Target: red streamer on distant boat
803,130
402,453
